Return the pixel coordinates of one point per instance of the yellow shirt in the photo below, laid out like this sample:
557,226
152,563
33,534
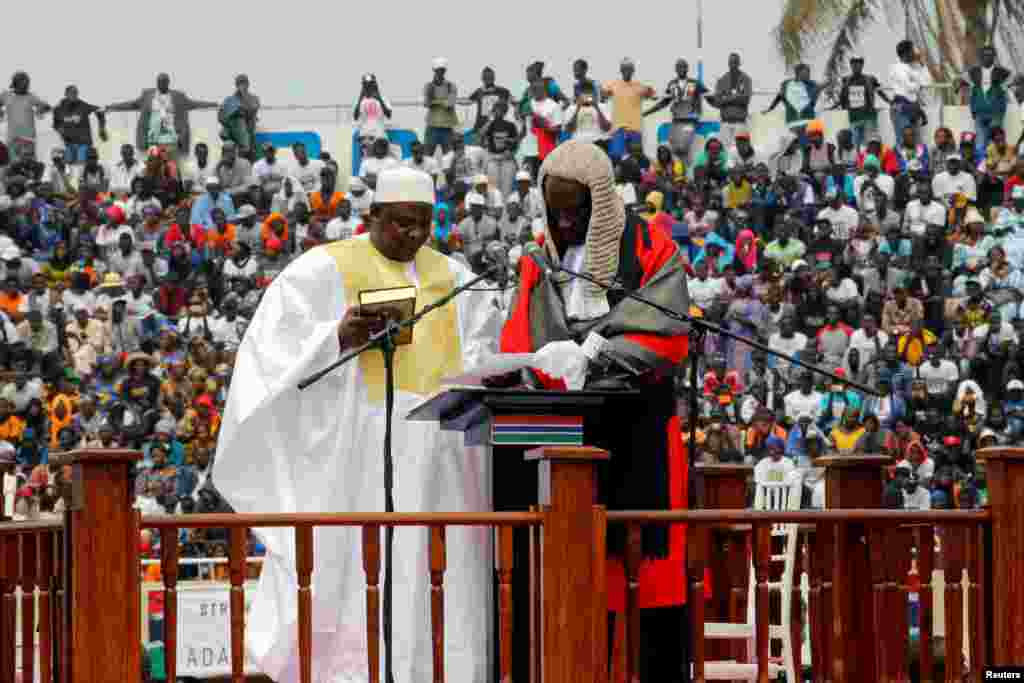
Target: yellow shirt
738,195
627,103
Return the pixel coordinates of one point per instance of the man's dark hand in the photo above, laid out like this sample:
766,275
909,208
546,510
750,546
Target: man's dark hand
356,329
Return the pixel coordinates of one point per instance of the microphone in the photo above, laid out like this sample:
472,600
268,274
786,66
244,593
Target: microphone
497,255
536,254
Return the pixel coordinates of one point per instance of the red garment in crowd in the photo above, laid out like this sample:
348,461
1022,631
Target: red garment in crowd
887,157
547,140
171,299
731,380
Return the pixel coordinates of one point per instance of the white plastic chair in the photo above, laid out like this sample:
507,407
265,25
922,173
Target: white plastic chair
769,496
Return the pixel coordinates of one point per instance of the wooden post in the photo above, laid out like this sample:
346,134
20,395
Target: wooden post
572,611
104,566
724,487
852,482
1005,475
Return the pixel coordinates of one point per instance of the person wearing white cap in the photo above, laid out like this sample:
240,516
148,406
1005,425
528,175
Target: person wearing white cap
213,198
530,199
318,450
59,175
492,197
246,226
439,98
954,180
361,197
372,113
17,263
478,229
627,108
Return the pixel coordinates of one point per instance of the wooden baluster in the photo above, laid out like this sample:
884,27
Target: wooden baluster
169,572
825,559
796,626
953,556
505,564
438,563
698,542
814,631
975,600
762,536
984,595
634,554
536,623
61,570
44,572
8,582
304,567
842,604
898,553
600,564
371,567
925,569
27,580
239,541
877,548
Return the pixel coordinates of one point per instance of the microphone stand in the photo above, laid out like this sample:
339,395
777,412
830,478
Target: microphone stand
385,341
703,327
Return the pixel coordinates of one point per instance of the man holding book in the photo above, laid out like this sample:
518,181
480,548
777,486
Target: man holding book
319,450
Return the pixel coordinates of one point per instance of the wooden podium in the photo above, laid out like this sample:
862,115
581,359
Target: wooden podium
510,422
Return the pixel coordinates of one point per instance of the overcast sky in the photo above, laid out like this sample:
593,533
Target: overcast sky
314,52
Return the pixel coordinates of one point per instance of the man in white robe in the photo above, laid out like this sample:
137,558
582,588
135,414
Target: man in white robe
321,449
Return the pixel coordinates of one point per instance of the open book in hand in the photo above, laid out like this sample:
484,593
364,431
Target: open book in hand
395,303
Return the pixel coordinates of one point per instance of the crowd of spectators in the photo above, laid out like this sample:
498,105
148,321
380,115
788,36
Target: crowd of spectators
127,283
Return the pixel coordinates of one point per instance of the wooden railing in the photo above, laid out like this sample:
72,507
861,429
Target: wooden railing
31,585
303,525
858,622
855,561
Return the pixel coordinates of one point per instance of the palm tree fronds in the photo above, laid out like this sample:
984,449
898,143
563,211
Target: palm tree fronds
857,18
806,24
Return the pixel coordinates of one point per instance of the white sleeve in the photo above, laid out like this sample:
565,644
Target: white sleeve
271,431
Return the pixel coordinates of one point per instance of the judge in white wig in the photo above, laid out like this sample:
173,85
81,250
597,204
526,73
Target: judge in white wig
320,450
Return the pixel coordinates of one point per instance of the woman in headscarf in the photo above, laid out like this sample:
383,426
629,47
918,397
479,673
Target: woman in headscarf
746,252
717,251
442,232
588,230
655,214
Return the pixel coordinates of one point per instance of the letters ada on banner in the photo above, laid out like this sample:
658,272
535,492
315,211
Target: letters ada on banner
204,631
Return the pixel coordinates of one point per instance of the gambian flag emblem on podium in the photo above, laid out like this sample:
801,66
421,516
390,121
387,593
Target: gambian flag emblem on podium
537,430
